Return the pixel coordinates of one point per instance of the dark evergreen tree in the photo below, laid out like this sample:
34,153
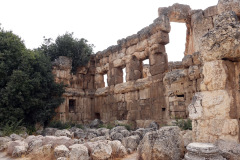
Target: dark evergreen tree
28,91
66,45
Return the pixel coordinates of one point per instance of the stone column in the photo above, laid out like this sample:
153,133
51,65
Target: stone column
202,151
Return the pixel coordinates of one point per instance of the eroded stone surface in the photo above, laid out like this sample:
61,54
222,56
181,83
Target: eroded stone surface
203,151
162,91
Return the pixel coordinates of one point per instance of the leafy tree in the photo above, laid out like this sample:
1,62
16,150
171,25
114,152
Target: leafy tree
66,45
28,91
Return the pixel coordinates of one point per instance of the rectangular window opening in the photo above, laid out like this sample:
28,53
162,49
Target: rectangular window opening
239,82
180,95
72,105
145,68
176,48
124,74
105,80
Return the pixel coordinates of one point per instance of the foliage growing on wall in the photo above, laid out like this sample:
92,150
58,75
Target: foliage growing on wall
66,45
28,91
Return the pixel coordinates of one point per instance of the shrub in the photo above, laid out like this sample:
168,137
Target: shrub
128,126
184,124
10,128
108,126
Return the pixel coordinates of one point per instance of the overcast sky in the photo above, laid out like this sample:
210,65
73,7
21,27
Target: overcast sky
101,22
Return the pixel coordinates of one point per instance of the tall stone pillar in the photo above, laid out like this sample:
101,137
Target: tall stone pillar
214,109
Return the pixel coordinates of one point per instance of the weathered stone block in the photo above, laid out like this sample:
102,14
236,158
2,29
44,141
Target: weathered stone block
144,33
141,45
210,105
158,69
179,12
215,75
178,75
157,48
102,69
187,60
144,94
175,65
226,46
133,115
200,26
119,97
177,88
131,96
196,58
160,24
159,38
163,11
210,11
130,50
132,40
158,59
209,131
177,108
228,5
118,63
193,72
146,114
132,105
178,115
141,55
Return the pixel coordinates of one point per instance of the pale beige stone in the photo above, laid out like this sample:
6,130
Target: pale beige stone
141,55
130,50
102,69
127,58
159,38
209,131
142,45
102,91
215,75
118,63
228,5
193,72
210,105
144,94
179,12
119,97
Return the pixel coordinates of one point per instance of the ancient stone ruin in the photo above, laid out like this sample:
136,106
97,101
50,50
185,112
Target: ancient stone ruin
204,86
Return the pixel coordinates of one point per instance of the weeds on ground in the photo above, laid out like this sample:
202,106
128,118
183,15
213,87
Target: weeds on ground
184,124
61,125
108,126
128,126
10,128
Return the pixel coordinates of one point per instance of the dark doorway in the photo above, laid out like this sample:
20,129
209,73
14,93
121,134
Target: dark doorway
97,116
72,105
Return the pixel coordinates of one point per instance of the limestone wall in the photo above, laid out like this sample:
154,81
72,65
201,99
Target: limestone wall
141,97
206,80
157,91
215,110
80,89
